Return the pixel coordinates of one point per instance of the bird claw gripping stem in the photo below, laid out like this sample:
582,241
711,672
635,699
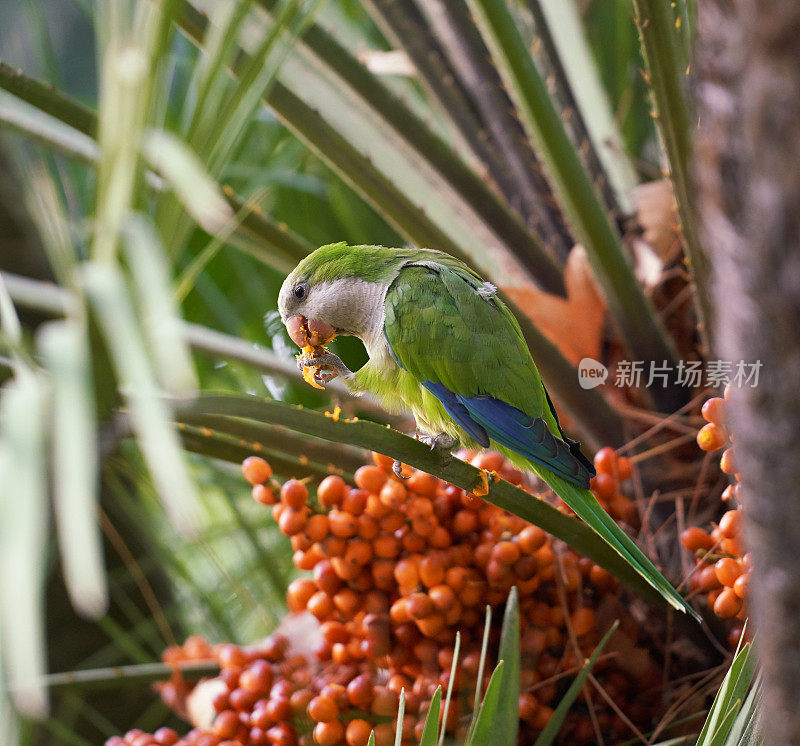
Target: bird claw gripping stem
442,443
397,468
321,369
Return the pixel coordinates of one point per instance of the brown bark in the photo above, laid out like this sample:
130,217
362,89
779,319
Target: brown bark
748,174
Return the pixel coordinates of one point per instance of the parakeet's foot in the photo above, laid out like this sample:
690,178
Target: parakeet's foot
328,367
397,468
442,443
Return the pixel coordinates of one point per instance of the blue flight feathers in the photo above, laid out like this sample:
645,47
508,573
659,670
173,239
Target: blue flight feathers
486,418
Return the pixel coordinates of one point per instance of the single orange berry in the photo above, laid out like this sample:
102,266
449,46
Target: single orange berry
431,570
707,579
731,524
734,546
358,552
292,521
406,573
531,539
741,585
440,538
323,709
385,462
384,733
386,546
624,468
419,605
604,486
506,553
342,524
316,527
423,484
298,593
528,704
294,494
602,578
331,491
358,732
728,604
329,734
542,717
393,495
712,437
355,500
695,538
370,478
714,410
256,470
368,527
490,461
605,461
263,494
432,625
347,601
464,522
320,605
728,570
728,461
360,691
226,724
443,597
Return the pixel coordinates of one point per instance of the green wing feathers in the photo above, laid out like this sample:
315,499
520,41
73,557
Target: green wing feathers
447,329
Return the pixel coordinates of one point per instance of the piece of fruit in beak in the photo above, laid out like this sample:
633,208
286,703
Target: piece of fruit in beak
313,333
311,337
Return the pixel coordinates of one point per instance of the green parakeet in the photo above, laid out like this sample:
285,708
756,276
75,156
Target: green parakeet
442,345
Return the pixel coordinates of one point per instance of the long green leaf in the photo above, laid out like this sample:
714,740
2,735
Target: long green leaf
746,729
450,57
64,349
401,711
324,50
120,677
429,731
159,312
23,530
215,445
187,175
481,734
506,720
45,98
563,26
729,699
487,625
666,74
106,290
253,233
371,435
450,683
641,327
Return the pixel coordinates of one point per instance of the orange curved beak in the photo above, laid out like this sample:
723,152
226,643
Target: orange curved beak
304,332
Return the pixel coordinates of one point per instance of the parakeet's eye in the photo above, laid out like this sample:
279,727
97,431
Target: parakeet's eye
300,290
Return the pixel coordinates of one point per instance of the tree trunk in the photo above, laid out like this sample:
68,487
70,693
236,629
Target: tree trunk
748,174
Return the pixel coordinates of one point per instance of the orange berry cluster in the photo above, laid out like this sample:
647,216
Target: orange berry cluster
723,566
612,470
397,567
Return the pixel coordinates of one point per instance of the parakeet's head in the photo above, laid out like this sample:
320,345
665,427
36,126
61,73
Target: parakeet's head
337,290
